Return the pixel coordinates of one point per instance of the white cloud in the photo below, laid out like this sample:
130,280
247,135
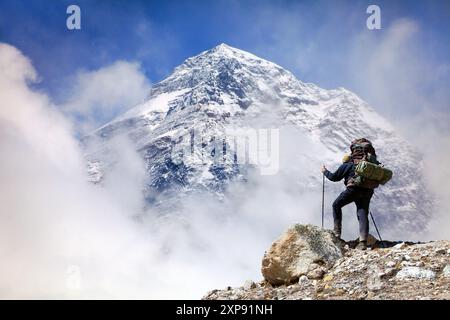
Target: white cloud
398,70
385,68
395,74
30,115
51,218
430,133
54,224
97,96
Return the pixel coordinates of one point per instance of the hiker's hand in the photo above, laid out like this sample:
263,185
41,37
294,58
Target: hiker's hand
323,169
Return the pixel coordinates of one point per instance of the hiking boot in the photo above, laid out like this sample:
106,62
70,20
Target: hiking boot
337,231
362,245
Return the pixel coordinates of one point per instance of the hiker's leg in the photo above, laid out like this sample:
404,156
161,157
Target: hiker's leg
362,207
346,197
363,219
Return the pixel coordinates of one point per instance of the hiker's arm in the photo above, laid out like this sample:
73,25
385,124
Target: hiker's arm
338,175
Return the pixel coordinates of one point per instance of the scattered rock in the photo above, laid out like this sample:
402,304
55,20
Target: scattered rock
374,282
292,254
420,264
391,264
328,277
249,284
389,272
339,292
260,296
446,271
303,279
213,291
415,273
313,266
400,246
406,264
316,273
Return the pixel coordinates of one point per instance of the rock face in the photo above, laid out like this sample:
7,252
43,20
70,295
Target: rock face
302,250
309,263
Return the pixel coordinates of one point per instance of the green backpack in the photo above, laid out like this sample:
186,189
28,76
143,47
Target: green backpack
373,171
369,173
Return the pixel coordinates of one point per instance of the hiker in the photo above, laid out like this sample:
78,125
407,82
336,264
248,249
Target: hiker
359,193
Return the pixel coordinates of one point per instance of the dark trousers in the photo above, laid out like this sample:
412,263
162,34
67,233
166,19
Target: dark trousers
361,197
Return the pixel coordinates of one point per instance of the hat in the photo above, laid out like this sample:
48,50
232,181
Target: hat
346,158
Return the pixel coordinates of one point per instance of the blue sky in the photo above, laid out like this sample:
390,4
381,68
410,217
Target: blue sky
325,42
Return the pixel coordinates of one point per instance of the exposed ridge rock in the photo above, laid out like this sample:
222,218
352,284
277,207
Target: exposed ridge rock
307,262
302,250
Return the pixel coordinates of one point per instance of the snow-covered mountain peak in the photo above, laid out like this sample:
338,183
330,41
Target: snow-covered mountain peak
229,80
224,52
225,87
226,67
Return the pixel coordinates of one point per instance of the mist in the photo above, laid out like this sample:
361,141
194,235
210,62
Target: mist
64,237
402,71
404,82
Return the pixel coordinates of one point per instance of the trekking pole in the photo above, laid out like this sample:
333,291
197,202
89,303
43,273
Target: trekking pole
376,228
323,196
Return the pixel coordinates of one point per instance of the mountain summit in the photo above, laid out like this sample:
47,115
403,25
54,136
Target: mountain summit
225,76
225,88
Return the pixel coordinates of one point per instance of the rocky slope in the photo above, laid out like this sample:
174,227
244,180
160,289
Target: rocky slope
309,263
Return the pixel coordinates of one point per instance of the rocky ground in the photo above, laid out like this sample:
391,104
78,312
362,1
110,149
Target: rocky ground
304,264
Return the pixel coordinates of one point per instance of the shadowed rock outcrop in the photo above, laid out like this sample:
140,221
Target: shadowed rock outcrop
299,251
307,263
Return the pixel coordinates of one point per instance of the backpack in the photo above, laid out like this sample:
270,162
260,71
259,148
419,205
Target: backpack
362,149
368,171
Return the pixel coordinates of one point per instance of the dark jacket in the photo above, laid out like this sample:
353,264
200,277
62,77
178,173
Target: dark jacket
345,171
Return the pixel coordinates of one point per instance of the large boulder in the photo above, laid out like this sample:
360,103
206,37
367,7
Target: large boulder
299,250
